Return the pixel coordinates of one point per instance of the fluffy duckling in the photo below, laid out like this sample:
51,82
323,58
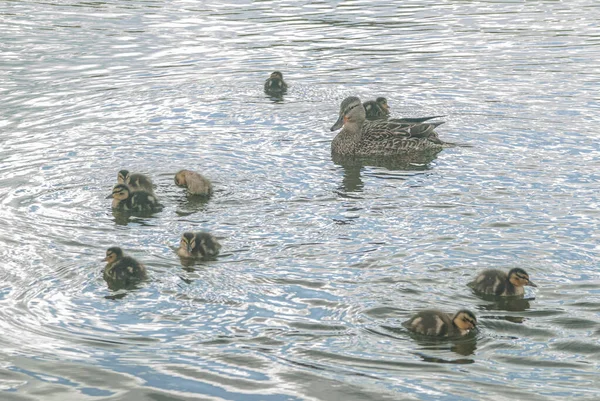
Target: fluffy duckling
135,181
437,323
377,108
275,85
122,270
198,245
497,282
139,201
195,183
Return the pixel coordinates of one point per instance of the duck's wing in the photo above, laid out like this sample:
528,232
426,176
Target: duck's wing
415,120
394,127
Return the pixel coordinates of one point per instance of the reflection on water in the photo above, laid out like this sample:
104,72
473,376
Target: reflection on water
324,257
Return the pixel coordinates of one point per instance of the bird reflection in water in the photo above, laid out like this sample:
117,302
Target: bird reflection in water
352,180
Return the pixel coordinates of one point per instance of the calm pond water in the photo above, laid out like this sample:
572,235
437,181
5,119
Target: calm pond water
320,262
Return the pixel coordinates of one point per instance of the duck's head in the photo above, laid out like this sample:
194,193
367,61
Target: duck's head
519,278
123,176
351,111
465,320
188,242
113,254
382,102
276,75
119,192
180,177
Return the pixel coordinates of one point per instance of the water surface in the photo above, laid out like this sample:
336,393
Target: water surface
321,262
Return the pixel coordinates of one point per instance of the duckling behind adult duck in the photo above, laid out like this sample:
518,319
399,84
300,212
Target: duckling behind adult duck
275,85
379,109
138,201
499,283
135,181
198,245
122,270
376,109
380,138
437,323
195,183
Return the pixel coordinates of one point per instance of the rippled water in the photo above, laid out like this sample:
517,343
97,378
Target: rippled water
320,262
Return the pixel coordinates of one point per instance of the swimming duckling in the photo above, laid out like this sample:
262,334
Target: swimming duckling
437,323
198,245
135,181
499,283
195,183
377,108
138,201
275,85
122,270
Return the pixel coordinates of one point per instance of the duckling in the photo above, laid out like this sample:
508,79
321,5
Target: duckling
194,182
136,182
275,85
499,283
198,245
377,108
122,270
139,201
436,323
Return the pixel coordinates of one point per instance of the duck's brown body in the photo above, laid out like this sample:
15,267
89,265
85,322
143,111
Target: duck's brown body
195,183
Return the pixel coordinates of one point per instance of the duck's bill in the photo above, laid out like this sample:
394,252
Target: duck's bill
109,196
338,124
531,283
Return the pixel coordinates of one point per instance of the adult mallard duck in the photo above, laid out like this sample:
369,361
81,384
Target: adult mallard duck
120,270
135,181
437,323
381,138
497,282
195,183
198,245
139,201
275,85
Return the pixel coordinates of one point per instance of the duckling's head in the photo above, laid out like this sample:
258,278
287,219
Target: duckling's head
382,102
351,111
119,192
188,242
123,176
465,320
519,278
276,75
113,254
180,177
